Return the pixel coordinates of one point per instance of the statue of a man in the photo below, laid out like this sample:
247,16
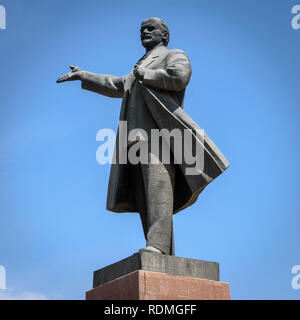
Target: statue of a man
152,98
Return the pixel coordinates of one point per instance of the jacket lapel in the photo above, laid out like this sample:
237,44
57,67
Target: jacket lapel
148,62
153,56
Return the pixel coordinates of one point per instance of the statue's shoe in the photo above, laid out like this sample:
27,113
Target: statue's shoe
152,249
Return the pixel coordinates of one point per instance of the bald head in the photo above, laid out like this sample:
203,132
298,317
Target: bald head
154,31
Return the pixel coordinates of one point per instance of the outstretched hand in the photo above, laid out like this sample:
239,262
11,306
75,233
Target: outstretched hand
75,74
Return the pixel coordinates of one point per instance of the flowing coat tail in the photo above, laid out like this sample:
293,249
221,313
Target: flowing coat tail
168,115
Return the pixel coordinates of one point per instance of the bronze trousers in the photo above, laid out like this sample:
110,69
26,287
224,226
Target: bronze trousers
154,195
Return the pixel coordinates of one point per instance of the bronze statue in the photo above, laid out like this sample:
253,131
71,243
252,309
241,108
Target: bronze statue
152,98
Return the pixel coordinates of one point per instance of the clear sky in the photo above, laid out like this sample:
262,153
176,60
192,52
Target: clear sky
244,92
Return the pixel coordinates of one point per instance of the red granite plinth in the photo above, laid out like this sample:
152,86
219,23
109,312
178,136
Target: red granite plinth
146,285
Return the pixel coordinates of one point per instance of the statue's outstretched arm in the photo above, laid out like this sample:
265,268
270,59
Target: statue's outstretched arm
107,85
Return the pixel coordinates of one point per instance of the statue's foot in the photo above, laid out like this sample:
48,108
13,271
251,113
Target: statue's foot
152,249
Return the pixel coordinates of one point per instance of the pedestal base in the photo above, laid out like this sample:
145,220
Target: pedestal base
152,276
146,285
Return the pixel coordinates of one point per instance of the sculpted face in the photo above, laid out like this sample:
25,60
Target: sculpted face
152,33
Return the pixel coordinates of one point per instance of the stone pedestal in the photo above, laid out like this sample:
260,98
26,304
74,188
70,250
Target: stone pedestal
152,276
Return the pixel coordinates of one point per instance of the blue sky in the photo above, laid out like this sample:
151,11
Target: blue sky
244,92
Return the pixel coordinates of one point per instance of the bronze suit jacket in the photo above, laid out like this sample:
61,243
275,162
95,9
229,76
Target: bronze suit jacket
159,100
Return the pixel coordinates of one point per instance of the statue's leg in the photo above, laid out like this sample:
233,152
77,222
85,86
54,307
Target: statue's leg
172,245
140,197
159,180
154,185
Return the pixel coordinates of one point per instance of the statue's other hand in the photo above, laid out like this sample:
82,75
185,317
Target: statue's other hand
75,74
139,72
